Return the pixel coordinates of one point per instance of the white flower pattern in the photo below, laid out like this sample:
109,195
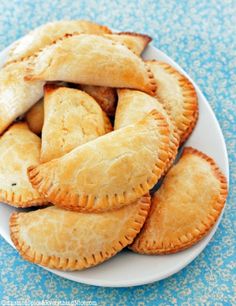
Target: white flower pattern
201,37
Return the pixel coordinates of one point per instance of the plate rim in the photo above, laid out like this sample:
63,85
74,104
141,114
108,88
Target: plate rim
208,237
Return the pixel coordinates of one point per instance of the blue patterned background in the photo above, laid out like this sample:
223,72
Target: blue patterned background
201,37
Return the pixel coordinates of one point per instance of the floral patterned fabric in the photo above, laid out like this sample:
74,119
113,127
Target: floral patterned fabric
201,37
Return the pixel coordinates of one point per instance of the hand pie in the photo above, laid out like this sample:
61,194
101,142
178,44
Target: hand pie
105,96
178,95
136,42
19,148
102,62
34,117
133,105
50,32
16,94
185,207
72,118
108,172
67,240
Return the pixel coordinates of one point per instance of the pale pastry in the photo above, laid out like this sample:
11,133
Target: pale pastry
185,207
71,118
102,62
133,105
19,148
34,117
48,33
108,172
136,42
105,96
67,240
16,95
178,95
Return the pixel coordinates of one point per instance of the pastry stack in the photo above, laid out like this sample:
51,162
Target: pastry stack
99,128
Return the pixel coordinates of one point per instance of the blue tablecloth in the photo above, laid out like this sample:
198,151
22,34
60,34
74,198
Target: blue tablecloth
201,37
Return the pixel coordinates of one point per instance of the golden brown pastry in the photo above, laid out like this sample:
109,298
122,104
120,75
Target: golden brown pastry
105,96
16,94
48,33
71,118
108,172
19,148
102,62
133,105
67,240
136,42
178,95
34,117
185,207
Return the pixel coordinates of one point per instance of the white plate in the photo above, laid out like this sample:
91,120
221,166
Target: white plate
129,269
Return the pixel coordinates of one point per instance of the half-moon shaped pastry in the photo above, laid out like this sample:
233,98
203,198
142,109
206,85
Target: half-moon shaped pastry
71,118
67,240
185,207
178,95
50,32
105,96
16,94
108,172
19,148
133,105
34,117
136,42
102,62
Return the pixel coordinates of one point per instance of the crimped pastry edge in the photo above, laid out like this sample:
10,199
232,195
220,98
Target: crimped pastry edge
190,100
88,203
174,139
55,262
140,246
16,200
151,86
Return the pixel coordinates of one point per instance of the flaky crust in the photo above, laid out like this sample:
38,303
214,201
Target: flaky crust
136,42
71,118
178,95
34,117
19,148
102,62
185,207
105,96
50,32
108,172
133,105
16,94
67,240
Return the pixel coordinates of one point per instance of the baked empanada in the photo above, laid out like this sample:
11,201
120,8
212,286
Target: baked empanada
50,32
67,240
71,118
92,60
34,117
19,148
136,42
178,95
185,207
133,105
16,94
105,96
108,172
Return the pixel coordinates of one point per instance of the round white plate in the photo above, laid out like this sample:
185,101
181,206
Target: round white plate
130,269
